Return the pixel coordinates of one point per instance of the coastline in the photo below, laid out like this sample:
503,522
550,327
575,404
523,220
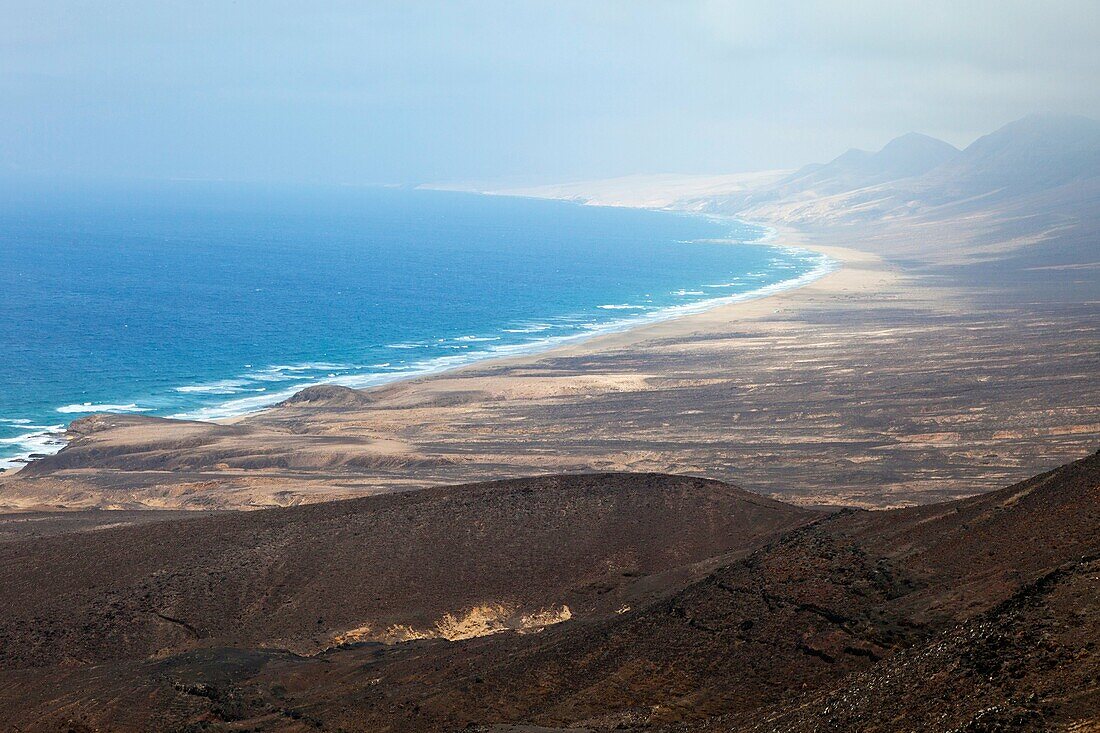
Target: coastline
845,273
852,273
875,386
52,439
521,353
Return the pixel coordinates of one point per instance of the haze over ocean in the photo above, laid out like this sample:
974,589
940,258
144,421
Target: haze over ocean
210,300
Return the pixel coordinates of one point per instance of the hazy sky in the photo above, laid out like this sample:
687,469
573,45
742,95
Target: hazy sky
362,92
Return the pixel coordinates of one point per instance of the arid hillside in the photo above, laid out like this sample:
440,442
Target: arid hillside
437,562
729,613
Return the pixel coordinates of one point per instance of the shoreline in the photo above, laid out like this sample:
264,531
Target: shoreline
851,274
53,440
835,258
625,331
872,386
854,271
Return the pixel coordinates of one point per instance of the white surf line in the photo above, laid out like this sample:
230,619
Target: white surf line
441,364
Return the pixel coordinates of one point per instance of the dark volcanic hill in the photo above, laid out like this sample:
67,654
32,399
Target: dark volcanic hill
1029,664
728,613
383,567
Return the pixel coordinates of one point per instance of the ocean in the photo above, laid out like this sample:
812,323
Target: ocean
202,301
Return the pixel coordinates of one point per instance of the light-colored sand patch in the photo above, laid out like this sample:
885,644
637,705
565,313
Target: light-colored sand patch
480,620
545,386
932,438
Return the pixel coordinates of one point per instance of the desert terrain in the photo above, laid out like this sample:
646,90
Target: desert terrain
585,603
953,351
867,504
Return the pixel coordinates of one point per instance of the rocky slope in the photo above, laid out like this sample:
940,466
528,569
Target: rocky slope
975,615
438,562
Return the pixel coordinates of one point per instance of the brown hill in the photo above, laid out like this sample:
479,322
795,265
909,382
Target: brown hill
975,615
383,567
328,395
1029,664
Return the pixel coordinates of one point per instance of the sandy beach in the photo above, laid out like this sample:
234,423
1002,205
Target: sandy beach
877,385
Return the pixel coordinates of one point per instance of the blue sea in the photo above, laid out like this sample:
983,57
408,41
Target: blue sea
204,301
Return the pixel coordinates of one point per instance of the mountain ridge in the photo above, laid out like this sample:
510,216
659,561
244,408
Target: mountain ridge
905,156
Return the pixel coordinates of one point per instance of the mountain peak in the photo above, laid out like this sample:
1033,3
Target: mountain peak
918,141
913,153
1034,152
909,155
1052,130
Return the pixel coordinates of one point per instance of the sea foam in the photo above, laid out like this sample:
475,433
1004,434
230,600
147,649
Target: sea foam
570,312
42,440
822,265
89,407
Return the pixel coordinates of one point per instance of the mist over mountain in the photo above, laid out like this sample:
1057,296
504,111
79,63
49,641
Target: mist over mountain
1053,157
909,155
547,367
1028,155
